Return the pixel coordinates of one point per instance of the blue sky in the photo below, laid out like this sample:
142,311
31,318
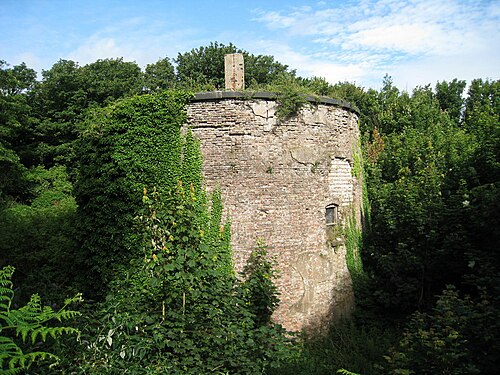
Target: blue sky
417,42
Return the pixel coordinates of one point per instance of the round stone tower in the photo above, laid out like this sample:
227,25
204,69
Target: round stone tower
288,183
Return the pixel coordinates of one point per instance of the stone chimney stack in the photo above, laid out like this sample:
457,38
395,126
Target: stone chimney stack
234,71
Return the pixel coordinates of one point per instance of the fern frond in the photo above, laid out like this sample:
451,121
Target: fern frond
7,319
66,314
6,274
5,279
6,294
8,348
6,286
24,361
12,371
345,372
5,306
77,298
27,321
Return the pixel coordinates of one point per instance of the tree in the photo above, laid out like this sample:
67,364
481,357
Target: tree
16,128
482,113
159,76
60,101
263,69
204,67
418,219
65,94
16,80
60,96
107,80
449,95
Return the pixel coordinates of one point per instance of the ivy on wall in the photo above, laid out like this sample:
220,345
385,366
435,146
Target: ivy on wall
127,146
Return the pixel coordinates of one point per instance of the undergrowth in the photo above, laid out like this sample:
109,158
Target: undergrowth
347,346
22,330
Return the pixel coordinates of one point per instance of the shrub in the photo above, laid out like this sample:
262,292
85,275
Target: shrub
38,238
259,289
179,310
445,340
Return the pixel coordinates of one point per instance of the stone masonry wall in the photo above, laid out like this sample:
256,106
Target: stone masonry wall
276,178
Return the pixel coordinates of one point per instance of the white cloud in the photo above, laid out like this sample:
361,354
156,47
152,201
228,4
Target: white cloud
423,26
414,39
405,38
275,20
429,70
135,39
313,65
32,61
95,48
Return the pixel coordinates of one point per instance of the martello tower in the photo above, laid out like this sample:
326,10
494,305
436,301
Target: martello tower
289,183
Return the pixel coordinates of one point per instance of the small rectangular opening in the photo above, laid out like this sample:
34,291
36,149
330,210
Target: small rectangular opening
331,213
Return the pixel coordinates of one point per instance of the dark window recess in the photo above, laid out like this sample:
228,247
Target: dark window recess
331,213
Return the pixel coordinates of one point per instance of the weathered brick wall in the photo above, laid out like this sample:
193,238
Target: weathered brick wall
276,179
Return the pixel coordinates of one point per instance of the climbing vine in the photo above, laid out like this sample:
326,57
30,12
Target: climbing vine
353,243
129,145
178,310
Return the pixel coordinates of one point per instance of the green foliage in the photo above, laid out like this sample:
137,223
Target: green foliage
217,237
290,96
66,93
203,68
15,80
38,237
130,145
49,187
450,97
431,226
21,329
353,244
16,129
11,175
258,287
413,175
111,79
263,69
346,345
59,102
159,76
192,161
178,311
315,85
482,113
60,96
445,340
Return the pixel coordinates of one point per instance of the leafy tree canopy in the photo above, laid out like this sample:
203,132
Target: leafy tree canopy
204,66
